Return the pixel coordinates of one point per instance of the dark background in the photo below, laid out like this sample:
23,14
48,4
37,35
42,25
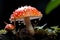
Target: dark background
8,6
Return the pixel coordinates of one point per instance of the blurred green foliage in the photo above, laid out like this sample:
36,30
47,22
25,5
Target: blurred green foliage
52,5
52,30
3,31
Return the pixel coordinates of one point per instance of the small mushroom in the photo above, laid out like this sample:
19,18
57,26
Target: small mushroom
26,13
9,27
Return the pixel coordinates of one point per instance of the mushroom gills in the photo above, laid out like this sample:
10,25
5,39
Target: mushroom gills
31,18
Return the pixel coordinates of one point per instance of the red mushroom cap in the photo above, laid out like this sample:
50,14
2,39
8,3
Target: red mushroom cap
26,11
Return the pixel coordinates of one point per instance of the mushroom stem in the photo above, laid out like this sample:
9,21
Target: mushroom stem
29,26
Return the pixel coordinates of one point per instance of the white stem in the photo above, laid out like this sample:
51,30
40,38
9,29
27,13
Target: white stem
29,26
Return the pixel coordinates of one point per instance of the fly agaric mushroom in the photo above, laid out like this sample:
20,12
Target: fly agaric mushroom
9,27
26,13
